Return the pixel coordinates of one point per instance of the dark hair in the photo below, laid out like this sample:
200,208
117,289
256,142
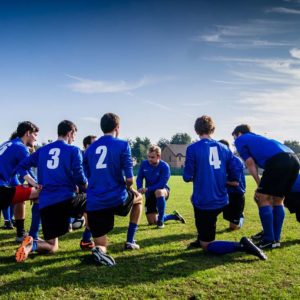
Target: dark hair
22,128
64,127
243,128
204,125
109,122
224,142
88,140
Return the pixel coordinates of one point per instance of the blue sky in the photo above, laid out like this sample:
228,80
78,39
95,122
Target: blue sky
158,64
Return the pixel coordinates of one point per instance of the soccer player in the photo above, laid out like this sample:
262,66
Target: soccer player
60,172
88,140
207,165
156,173
11,190
281,168
234,211
106,162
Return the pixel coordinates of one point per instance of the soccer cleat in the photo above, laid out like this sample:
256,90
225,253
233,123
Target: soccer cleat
262,244
195,244
8,225
179,216
160,224
24,249
258,236
102,258
248,246
131,246
87,245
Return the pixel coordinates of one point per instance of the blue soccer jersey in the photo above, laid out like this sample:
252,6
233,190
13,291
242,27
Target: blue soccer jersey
207,165
11,153
106,162
156,177
239,167
60,170
259,148
296,185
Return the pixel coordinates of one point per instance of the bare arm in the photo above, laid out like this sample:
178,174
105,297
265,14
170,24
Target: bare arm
253,170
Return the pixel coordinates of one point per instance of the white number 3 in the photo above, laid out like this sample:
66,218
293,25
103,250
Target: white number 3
54,161
102,150
214,157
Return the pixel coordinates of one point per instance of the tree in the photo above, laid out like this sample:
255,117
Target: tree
162,143
139,148
294,145
181,138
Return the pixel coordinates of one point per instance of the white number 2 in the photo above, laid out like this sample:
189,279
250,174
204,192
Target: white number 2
214,159
102,150
54,161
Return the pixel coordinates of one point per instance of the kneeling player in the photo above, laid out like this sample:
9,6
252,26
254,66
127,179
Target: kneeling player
156,173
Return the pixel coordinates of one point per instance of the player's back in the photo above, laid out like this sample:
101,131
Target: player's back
106,162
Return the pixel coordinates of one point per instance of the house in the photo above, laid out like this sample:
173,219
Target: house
174,155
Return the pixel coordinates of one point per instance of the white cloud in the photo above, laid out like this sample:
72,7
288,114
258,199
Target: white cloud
295,53
283,10
90,119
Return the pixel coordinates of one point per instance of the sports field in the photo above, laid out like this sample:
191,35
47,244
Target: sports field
163,268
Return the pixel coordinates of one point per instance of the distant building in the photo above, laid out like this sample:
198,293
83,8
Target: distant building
174,155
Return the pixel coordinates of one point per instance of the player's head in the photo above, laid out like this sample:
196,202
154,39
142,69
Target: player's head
241,129
27,131
204,125
224,142
110,123
154,154
67,130
88,140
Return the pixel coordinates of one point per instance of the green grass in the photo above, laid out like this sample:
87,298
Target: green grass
163,268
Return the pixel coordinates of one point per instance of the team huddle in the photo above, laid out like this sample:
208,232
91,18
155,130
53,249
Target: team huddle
97,184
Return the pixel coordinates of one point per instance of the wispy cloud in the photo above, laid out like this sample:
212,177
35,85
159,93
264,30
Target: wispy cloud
90,119
89,86
161,106
295,53
283,10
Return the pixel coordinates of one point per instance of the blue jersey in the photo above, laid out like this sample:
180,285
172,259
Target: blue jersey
259,148
106,162
239,167
11,153
156,177
59,171
296,186
207,164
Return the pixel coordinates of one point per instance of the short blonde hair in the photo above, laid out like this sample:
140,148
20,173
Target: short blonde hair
155,148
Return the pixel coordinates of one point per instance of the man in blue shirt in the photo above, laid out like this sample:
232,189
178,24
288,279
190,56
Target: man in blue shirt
234,211
11,189
207,165
281,168
60,172
156,173
106,162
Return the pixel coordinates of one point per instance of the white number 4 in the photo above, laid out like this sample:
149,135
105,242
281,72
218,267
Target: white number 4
102,150
214,157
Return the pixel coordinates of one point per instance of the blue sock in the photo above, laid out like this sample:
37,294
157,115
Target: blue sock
266,218
223,247
161,207
278,218
87,235
169,217
35,221
132,228
34,246
241,223
11,210
6,214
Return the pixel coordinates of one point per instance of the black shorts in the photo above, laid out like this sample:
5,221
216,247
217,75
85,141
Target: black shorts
150,203
235,208
292,202
7,194
55,218
281,171
206,221
102,221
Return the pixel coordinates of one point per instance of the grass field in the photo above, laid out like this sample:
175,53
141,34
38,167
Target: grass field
163,268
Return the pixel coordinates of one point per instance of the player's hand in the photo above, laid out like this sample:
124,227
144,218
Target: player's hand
142,190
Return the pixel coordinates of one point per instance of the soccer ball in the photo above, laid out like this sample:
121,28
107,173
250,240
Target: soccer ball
78,223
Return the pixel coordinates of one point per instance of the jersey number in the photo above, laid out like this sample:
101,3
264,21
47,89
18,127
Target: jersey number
102,150
214,159
4,147
54,161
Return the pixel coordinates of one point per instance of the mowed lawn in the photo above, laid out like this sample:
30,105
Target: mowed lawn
163,268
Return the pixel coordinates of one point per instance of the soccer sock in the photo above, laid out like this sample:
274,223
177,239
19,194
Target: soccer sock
223,247
20,227
169,217
161,207
278,218
266,218
6,214
241,223
132,228
34,246
35,221
87,235
11,211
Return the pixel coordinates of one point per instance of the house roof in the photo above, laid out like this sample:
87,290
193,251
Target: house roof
177,149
